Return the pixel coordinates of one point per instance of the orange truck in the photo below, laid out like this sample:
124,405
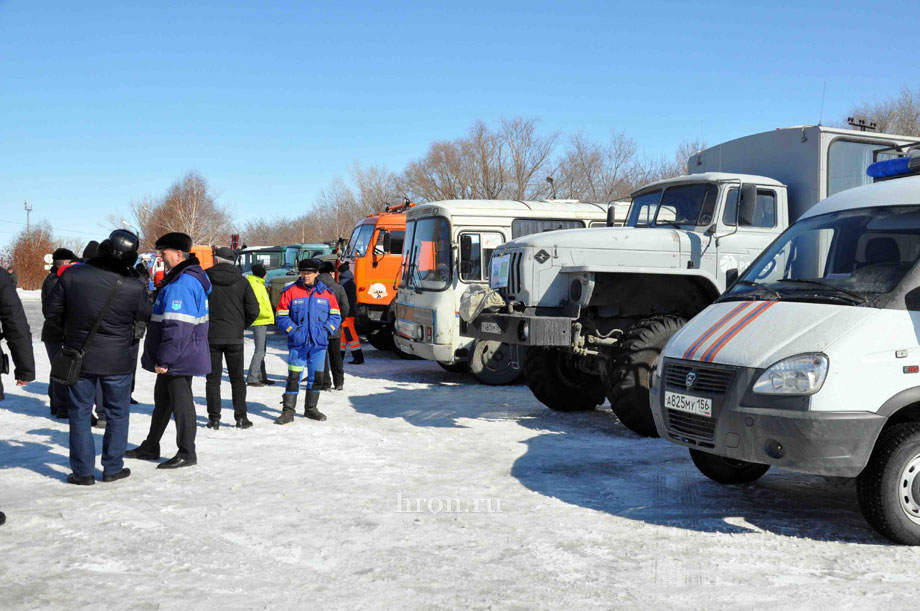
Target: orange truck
374,254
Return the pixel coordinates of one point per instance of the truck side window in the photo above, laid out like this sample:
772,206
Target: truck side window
761,213
396,242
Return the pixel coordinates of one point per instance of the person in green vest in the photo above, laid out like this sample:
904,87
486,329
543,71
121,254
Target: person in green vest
256,376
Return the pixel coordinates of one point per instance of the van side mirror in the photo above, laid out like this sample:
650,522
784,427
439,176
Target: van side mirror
387,239
611,216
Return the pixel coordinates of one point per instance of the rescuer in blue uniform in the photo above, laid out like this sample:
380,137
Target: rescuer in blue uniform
308,314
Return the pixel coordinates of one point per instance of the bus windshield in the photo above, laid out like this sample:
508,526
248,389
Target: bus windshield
426,255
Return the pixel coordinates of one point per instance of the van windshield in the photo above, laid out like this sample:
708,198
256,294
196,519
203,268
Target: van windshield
426,256
850,257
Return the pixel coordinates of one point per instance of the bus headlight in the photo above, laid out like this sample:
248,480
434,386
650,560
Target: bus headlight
803,374
419,333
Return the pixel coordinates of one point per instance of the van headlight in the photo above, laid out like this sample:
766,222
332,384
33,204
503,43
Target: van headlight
803,374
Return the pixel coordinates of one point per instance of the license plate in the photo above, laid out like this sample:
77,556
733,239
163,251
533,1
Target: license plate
491,327
499,276
686,403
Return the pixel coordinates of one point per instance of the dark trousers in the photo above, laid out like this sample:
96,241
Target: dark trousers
57,393
233,353
172,395
257,364
335,362
116,397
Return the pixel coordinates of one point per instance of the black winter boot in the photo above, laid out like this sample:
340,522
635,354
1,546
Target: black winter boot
310,410
357,357
288,406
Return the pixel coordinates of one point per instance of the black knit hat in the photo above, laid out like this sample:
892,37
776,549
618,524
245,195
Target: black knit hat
63,254
225,253
308,265
326,267
175,241
258,270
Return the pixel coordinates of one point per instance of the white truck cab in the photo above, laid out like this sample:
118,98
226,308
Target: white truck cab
811,360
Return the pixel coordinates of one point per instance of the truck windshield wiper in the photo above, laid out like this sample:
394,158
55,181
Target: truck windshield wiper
853,294
776,294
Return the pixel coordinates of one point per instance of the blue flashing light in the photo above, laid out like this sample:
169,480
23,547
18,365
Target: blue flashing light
894,167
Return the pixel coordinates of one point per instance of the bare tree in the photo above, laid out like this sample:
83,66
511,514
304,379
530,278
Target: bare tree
28,255
528,157
591,171
894,115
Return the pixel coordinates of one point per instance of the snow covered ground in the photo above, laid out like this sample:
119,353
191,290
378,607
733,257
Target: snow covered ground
422,490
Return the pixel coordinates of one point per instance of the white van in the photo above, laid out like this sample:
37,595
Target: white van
448,248
811,360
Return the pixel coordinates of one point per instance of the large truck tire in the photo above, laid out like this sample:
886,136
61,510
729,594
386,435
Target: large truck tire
558,384
726,470
381,338
888,487
492,363
631,372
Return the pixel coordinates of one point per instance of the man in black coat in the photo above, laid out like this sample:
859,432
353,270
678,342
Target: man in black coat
335,360
52,334
75,303
15,329
232,306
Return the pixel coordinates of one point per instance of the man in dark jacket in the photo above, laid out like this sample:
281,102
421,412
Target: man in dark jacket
350,338
334,357
176,348
75,303
232,307
15,329
52,334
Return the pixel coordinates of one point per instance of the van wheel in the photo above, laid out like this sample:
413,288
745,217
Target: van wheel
454,367
630,375
558,384
889,487
492,363
727,470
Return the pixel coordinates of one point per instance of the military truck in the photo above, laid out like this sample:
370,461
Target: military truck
596,306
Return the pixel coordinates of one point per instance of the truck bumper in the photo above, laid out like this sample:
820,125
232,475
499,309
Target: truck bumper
830,444
371,316
524,329
430,352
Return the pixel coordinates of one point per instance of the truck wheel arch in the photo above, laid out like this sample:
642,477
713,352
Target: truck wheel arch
648,294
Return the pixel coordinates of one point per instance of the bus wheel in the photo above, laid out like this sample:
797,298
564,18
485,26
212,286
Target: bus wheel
557,383
889,487
494,363
727,470
454,367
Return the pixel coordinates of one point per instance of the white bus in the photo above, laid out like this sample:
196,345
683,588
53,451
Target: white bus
448,247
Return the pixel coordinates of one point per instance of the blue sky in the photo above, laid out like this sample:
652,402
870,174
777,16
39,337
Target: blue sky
102,103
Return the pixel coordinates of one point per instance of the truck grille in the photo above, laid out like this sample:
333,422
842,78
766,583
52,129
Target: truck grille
515,283
708,379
